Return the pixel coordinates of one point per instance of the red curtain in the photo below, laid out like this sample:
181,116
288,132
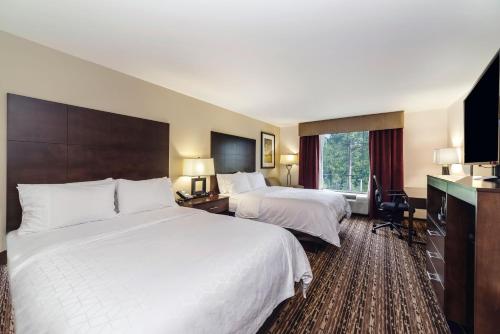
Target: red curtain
309,162
386,161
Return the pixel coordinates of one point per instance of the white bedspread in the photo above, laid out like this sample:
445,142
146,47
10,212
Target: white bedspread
315,212
174,270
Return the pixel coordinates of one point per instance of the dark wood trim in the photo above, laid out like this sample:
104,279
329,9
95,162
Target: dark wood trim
49,142
3,258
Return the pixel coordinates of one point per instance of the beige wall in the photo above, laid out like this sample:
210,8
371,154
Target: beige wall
29,69
423,132
289,144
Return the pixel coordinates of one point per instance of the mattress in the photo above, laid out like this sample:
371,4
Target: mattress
175,270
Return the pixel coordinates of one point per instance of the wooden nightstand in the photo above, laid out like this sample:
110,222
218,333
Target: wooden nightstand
213,204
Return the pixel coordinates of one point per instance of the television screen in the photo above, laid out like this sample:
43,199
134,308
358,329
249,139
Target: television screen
481,117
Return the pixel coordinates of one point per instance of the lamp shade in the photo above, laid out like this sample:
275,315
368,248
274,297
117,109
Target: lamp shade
289,159
198,167
446,156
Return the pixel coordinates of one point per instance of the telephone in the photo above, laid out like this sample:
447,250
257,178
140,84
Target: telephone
184,195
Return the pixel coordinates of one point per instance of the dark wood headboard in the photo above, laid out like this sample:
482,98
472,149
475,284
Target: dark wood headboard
231,154
50,142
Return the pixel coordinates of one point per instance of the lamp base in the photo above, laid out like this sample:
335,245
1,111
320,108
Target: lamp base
196,185
445,170
288,176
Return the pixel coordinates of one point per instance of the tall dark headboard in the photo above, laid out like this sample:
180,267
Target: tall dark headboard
50,142
231,154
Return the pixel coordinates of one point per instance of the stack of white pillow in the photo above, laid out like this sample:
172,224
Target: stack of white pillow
50,206
237,183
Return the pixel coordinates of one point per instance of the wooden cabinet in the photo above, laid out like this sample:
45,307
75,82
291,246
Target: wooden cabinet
463,249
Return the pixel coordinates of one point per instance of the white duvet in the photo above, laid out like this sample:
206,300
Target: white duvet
174,270
315,212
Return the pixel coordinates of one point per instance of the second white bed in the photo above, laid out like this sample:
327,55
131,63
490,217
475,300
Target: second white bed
314,212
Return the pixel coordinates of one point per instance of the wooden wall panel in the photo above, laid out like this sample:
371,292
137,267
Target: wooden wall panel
50,142
231,154
88,127
36,120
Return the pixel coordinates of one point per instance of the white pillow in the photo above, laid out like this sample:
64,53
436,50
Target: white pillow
223,181
256,180
238,183
50,206
145,195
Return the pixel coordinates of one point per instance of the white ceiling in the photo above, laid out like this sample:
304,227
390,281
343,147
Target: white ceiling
278,61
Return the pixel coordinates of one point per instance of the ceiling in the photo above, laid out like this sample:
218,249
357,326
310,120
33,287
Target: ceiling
282,61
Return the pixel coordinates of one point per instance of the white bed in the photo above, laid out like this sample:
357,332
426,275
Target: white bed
172,270
315,212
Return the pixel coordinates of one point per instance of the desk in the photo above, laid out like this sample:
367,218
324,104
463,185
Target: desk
417,197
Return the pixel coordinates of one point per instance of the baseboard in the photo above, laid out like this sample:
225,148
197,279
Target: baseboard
3,258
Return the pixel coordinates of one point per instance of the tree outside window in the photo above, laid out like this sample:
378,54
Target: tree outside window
345,161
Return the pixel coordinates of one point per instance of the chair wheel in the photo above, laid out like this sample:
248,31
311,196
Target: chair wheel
374,231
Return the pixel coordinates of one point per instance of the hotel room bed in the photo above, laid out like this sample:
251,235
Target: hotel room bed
314,212
76,266
172,270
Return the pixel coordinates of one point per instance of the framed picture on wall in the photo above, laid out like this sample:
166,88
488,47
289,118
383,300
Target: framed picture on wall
267,150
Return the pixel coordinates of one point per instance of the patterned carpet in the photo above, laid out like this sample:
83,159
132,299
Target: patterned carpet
372,284
6,316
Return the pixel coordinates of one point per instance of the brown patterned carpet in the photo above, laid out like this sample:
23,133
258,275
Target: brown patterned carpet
6,316
372,284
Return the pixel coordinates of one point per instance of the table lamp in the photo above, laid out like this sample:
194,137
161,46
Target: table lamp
446,157
196,168
289,160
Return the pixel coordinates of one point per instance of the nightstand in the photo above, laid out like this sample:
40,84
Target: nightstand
213,204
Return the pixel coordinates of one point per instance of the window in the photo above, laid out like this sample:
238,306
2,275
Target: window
345,165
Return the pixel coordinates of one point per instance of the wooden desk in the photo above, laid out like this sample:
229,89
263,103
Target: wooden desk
417,197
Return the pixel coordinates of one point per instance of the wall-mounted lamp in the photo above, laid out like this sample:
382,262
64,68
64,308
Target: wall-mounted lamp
196,168
289,160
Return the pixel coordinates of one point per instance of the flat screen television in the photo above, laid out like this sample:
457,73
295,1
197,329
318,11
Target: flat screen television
481,115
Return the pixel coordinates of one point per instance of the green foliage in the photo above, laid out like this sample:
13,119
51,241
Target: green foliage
346,164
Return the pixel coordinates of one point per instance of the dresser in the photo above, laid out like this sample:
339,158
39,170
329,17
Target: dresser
463,249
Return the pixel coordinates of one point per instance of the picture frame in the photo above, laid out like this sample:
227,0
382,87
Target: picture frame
267,150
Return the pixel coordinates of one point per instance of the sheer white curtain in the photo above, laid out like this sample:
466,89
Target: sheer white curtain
321,145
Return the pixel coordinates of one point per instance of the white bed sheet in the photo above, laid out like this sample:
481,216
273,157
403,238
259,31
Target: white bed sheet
315,212
174,270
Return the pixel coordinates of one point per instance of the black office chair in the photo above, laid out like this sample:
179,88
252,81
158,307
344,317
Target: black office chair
392,212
